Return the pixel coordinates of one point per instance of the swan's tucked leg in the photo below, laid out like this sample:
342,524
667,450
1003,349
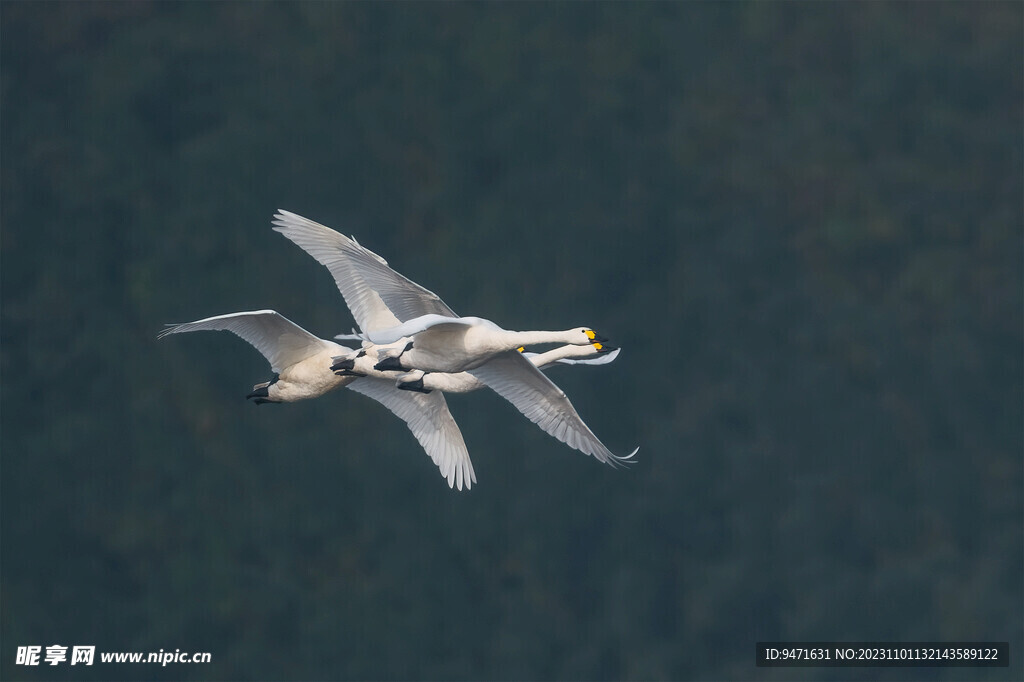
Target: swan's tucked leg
389,358
412,381
261,393
345,364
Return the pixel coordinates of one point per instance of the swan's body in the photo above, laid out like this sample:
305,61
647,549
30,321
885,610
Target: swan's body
382,301
302,363
306,379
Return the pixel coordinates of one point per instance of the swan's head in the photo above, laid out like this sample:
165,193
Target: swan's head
581,336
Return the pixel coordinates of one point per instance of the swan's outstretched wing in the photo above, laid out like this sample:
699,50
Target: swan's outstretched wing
330,249
278,339
378,296
515,378
427,416
403,297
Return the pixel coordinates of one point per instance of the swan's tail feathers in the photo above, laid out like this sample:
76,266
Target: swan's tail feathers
352,355
353,336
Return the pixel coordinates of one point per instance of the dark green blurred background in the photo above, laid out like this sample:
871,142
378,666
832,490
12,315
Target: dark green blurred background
802,223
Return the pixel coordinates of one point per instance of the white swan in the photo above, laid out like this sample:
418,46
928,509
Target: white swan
382,301
302,364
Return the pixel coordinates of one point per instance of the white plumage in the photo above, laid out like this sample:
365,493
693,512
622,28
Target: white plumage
449,353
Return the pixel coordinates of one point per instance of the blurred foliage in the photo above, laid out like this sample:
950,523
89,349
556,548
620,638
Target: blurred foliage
802,222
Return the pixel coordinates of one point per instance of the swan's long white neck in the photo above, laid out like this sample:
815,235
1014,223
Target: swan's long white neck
543,360
517,339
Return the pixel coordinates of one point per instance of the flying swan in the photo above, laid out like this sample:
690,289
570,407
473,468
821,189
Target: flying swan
302,366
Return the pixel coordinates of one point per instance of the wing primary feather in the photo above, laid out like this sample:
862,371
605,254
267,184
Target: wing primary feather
378,296
278,339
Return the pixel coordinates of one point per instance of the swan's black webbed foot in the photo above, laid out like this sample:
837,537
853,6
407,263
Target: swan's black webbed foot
344,366
392,363
261,393
416,385
389,365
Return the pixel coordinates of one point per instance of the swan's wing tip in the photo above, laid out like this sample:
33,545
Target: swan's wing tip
168,329
460,478
283,220
624,461
460,483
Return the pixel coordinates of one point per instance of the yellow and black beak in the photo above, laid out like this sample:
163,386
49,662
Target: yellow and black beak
594,336
603,347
